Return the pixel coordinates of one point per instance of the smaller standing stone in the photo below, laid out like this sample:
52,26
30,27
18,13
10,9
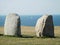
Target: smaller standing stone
12,25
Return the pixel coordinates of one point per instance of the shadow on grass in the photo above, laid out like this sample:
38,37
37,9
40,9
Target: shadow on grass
21,36
50,37
47,37
1,34
27,36
57,37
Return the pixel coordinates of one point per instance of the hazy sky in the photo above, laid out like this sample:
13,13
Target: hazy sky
29,7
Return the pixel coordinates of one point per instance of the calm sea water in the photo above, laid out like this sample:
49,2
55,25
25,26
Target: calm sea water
30,20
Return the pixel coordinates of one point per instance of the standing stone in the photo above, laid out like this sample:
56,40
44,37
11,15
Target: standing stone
12,25
44,26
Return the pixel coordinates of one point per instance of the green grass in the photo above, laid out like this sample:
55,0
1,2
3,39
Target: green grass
6,40
31,39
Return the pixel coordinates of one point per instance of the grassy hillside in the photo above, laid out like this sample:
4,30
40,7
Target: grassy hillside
29,38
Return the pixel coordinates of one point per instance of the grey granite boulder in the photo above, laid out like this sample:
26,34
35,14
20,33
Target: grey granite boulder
12,25
45,26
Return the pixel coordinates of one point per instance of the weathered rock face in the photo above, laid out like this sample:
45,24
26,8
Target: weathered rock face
44,26
12,25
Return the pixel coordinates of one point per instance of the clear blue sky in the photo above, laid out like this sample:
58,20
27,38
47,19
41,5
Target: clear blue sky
29,7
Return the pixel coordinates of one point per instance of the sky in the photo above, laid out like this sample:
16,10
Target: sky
29,7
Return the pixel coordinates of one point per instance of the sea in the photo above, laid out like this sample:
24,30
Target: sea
30,20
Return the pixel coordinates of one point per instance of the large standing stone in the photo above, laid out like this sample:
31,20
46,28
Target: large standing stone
12,25
44,26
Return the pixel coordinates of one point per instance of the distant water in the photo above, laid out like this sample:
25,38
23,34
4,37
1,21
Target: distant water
30,20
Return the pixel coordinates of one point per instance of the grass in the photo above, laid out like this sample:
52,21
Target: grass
29,38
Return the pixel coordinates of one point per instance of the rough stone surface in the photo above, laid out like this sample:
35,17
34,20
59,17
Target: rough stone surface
12,25
45,26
